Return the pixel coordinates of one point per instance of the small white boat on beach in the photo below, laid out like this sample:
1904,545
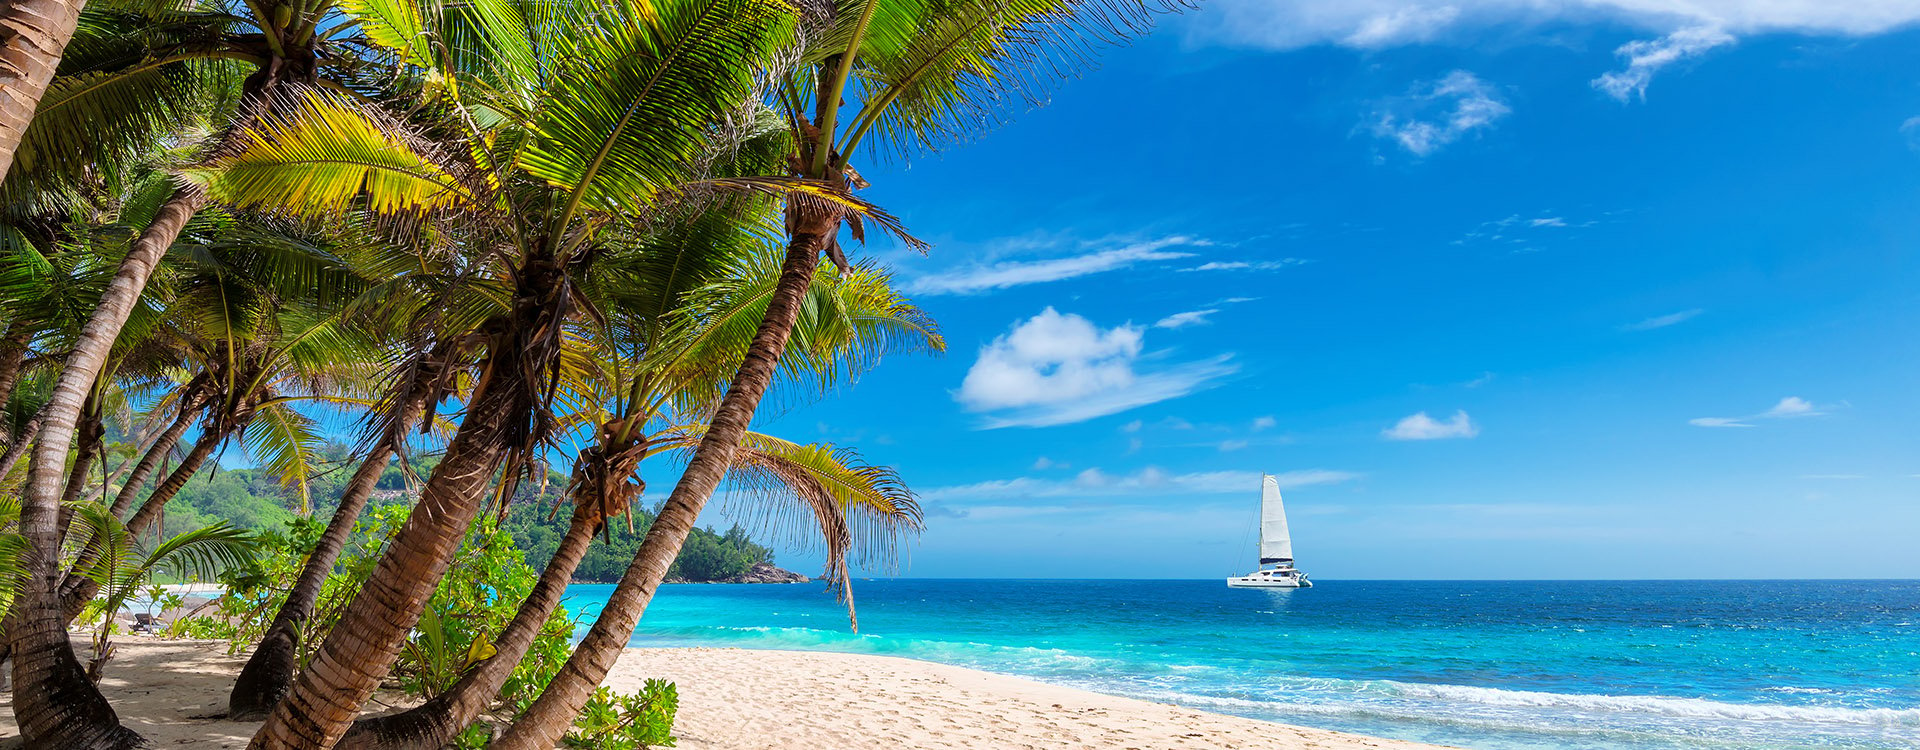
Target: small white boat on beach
1276,546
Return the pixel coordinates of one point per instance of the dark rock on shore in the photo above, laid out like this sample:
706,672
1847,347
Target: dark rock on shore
761,573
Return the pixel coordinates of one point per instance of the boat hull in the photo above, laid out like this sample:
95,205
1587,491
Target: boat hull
1265,582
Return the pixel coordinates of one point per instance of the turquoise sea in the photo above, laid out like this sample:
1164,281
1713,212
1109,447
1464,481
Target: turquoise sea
1535,664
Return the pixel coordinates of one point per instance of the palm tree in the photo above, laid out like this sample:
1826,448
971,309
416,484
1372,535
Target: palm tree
125,566
921,75
672,320
269,672
33,35
580,141
258,350
56,705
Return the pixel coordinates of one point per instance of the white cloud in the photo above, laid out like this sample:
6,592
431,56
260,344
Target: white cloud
1485,378
1148,481
1005,274
1368,24
1788,408
1184,319
1133,426
1439,113
1402,26
1043,463
1792,406
1718,422
1684,28
1422,427
1662,321
1232,445
1263,423
1059,368
1245,265
1550,221
1647,56
1911,129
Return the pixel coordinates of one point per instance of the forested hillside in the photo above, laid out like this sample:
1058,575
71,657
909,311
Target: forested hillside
250,499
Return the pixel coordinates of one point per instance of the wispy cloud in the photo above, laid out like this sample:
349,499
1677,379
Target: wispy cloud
1423,427
1372,24
1662,321
1057,368
1436,114
1184,319
980,278
1680,29
1517,230
1911,129
1246,265
1148,481
1788,408
1647,56
1402,26
1263,423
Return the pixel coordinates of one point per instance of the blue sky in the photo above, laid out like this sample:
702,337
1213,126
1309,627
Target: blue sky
1613,289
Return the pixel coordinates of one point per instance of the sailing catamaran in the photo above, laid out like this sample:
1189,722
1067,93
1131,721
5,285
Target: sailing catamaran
1276,545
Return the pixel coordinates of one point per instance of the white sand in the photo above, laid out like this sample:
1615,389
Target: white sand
740,699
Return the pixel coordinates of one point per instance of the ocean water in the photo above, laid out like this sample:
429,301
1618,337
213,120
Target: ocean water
1498,665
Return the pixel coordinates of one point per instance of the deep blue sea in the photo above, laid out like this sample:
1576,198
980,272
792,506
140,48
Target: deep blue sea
1534,664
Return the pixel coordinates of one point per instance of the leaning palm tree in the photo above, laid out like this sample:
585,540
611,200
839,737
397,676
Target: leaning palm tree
269,671
919,76
675,307
570,147
56,705
33,35
260,344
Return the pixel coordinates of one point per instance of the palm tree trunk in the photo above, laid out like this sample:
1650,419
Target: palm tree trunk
76,590
33,35
269,672
434,724
553,712
18,448
162,445
13,353
361,647
92,441
55,703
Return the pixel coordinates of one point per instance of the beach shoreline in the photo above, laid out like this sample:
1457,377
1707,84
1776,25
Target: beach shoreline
750,699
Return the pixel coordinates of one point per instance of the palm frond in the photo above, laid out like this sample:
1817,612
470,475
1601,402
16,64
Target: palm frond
287,445
970,61
201,553
857,511
320,154
624,117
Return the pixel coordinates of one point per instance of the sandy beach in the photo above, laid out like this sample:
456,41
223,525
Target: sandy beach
741,699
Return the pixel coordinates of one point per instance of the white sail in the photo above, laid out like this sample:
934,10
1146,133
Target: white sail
1276,545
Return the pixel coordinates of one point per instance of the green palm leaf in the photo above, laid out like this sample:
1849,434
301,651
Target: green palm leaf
624,117
319,154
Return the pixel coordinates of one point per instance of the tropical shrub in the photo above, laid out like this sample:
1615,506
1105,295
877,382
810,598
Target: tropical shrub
617,721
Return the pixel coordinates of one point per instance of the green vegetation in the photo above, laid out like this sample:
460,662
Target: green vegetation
253,499
485,231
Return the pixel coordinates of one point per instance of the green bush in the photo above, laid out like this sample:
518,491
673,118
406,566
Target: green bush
617,721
